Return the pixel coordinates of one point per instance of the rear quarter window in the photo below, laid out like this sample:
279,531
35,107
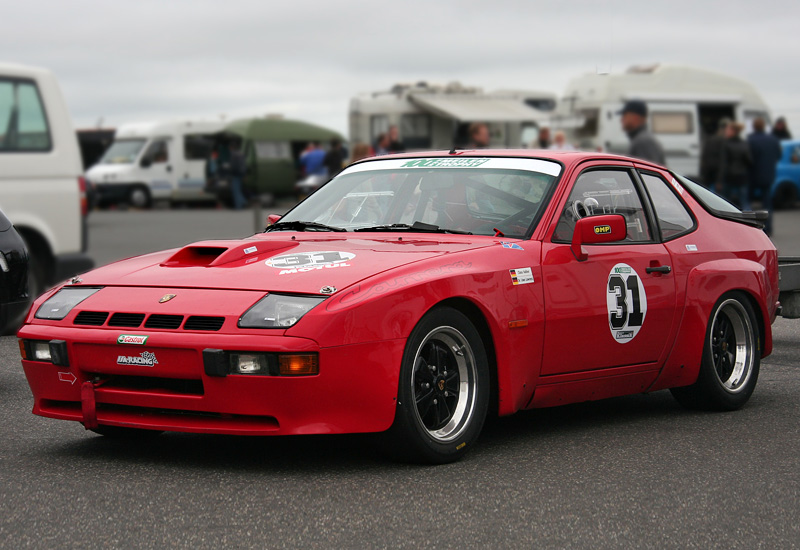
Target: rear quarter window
674,218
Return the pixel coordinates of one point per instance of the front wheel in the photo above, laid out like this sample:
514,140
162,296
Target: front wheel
731,358
443,393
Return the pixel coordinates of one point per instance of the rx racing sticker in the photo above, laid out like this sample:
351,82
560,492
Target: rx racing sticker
627,303
145,359
300,262
521,276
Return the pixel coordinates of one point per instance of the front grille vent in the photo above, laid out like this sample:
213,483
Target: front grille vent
199,322
164,321
91,318
126,320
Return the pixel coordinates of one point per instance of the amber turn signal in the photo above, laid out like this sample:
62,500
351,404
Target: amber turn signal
298,365
22,350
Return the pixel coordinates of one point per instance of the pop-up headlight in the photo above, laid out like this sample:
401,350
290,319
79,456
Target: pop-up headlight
59,304
278,311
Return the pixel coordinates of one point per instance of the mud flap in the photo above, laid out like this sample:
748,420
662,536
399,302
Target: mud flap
88,405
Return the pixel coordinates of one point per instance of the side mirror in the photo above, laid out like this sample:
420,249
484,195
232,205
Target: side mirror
146,162
273,218
596,230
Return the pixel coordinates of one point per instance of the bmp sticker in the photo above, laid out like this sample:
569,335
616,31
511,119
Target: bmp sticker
627,303
310,261
521,276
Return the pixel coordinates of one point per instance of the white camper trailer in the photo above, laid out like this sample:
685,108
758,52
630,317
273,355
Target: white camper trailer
155,161
438,117
685,105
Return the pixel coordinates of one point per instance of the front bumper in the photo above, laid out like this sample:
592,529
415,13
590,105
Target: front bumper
354,392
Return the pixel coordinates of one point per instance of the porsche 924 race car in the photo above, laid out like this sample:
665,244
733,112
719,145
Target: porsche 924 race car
415,294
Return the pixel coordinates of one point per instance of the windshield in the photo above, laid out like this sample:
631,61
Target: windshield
475,195
123,152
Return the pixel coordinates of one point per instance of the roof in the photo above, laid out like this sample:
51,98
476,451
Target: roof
279,129
470,107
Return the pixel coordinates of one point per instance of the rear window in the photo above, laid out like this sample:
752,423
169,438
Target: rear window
709,199
23,121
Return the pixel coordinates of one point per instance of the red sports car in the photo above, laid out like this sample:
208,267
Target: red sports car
415,294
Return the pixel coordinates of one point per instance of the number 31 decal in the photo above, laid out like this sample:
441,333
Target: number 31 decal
627,303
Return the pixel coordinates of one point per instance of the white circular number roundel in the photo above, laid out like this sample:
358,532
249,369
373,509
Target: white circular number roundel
627,303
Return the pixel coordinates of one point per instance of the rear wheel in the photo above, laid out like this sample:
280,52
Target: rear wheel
731,358
443,393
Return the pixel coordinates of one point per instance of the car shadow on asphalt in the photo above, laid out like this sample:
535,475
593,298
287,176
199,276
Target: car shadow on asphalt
298,454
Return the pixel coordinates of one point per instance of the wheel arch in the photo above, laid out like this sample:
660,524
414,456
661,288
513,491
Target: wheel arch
476,316
38,246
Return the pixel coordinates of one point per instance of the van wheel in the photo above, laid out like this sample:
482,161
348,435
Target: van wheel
731,358
139,197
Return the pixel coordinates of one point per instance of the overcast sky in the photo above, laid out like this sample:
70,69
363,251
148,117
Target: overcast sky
136,60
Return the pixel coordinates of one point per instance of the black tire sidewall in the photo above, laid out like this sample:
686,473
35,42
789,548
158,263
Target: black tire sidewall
719,397
409,438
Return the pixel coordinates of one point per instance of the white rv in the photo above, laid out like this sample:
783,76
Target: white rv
685,105
438,117
155,161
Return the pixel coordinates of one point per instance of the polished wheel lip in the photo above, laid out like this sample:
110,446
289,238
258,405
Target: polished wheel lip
731,342
462,358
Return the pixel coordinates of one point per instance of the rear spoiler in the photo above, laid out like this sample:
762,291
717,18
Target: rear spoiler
754,219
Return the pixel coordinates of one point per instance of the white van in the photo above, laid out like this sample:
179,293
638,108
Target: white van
155,161
685,105
41,188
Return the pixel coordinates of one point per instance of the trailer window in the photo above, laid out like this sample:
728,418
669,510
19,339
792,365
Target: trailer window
379,124
591,119
273,150
671,123
23,122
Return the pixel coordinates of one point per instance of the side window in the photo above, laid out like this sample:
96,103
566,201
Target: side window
273,150
158,152
598,192
23,122
378,124
672,215
196,147
671,123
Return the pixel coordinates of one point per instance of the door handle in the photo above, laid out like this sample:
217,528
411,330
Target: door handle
660,269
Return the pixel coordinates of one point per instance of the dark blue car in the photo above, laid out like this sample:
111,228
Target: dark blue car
787,179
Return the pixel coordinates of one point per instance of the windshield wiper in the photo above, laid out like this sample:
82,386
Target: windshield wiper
416,227
302,226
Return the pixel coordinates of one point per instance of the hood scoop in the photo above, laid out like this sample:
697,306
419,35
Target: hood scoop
217,253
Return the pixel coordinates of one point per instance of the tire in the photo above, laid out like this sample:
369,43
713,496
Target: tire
118,432
441,407
785,196
139,197
727,378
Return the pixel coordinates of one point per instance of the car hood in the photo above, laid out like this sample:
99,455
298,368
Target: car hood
281,261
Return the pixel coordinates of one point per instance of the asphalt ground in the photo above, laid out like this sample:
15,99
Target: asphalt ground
631,472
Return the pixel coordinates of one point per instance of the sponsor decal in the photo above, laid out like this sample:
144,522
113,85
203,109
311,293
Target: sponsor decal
166,298
602,229
134,339
145,359
521,276
250,249
691,247
444,163
627,303
512,246
301,262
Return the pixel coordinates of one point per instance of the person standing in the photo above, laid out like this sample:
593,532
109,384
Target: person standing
711,156
765,150
395,145
238,168
734,173
560,142
382,145
780,130
643,144
334,158
312,160
478,136
543,141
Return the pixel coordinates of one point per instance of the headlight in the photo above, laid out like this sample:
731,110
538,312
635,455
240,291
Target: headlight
278,311
59,304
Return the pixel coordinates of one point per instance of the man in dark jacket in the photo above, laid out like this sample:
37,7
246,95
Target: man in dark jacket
765,149
734,174
643,144
712,155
